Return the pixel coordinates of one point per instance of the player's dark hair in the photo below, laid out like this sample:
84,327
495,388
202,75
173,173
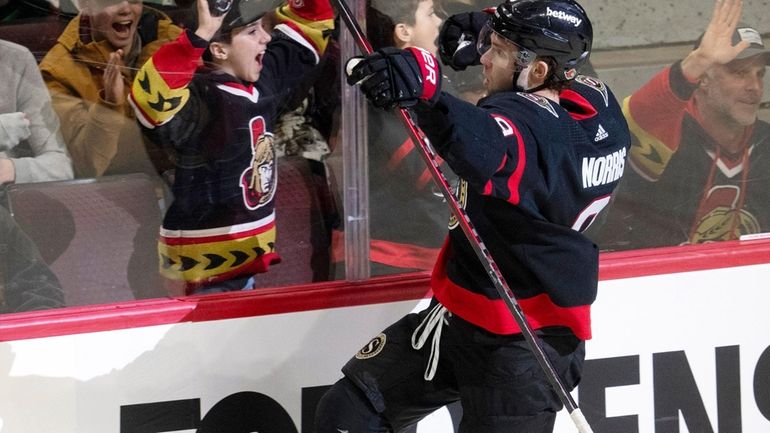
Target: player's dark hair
551,80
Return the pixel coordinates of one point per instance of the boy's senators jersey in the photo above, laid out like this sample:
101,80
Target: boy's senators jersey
221,223
534,175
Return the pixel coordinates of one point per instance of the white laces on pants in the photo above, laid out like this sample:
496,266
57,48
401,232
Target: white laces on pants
432,323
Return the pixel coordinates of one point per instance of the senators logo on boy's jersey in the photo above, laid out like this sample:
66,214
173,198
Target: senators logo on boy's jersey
258,182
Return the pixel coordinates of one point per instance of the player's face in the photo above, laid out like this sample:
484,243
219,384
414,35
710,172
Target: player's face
246,51
734,91
499,64
114,21
426,27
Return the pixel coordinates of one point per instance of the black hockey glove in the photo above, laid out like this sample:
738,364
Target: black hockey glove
457,39
392,78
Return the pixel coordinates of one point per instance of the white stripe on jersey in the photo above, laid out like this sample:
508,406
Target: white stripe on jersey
217,231
297,37
253,96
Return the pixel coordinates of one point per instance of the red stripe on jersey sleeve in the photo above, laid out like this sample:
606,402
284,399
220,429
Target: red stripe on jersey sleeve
488,189
658,111
502,163
177,61
514,182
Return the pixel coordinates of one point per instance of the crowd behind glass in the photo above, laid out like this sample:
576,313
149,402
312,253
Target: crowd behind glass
85,189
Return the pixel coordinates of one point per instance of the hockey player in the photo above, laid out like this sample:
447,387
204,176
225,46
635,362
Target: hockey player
538,159
218,120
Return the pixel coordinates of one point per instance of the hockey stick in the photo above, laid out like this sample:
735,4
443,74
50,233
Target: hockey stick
429,156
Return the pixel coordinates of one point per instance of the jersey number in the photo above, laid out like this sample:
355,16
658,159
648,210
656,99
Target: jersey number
588,215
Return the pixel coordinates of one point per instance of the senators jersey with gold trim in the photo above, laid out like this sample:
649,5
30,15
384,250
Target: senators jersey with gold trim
683,187
534,175
221,223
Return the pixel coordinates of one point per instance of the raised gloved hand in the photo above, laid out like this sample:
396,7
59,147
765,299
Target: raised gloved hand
391,77
14,127
458,37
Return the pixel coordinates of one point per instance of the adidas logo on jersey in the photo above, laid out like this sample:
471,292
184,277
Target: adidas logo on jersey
601,134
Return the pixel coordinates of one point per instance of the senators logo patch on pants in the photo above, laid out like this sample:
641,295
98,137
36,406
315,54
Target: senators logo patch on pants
372,348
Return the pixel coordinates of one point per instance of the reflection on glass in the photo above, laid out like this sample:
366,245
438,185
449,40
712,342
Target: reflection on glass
210,169
697,171
219,233
199,135
408,215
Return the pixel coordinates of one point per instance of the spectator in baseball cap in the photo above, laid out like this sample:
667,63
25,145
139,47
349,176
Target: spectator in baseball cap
746,34
700,154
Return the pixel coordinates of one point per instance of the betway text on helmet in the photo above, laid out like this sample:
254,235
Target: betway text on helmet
564,16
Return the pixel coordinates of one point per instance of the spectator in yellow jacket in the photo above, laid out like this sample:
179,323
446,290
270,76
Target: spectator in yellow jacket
88,72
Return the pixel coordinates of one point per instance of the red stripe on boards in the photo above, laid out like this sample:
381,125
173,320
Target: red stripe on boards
396,288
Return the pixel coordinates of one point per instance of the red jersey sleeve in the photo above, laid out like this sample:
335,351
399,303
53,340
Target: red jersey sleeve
655,114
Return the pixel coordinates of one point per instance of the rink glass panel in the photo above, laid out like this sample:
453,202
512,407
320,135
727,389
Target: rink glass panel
354,199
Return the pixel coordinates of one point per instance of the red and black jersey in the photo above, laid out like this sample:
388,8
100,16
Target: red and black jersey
221,223
408,213
534,174
683,187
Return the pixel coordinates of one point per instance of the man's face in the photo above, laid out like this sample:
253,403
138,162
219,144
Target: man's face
499,63
735,90
426,27
246,51
114,21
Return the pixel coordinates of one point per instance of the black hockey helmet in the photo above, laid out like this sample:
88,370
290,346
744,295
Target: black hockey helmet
556,28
